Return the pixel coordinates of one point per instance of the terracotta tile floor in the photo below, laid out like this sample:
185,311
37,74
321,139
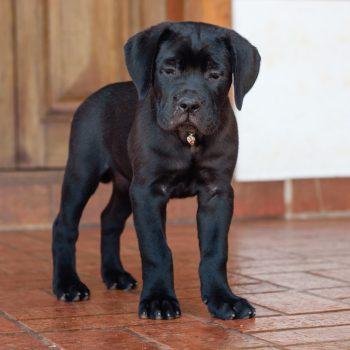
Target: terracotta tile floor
297,274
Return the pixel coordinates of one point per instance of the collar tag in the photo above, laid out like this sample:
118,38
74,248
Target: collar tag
191,139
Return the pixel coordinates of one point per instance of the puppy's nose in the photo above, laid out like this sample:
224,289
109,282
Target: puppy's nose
188,104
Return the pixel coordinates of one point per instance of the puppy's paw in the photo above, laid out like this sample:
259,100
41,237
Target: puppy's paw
120,280
230,308
76,291
159,309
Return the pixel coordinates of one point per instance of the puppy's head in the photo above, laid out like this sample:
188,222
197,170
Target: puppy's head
189,69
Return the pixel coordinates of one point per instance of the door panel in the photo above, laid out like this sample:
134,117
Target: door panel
7,86
31,66
85,53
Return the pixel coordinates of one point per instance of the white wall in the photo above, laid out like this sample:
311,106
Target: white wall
295,122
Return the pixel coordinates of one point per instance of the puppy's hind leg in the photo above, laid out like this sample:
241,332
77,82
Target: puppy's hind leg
112,224
78,186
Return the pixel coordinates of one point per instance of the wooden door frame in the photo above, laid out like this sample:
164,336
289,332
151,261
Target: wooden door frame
210,11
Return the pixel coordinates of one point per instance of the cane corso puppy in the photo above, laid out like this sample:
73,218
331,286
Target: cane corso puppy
170,133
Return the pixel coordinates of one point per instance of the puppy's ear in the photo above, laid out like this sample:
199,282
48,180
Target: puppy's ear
245,65
140,52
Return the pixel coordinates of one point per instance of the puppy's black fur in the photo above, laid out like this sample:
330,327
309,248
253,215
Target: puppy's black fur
135,135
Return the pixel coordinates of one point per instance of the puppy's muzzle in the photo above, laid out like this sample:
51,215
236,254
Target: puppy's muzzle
188,109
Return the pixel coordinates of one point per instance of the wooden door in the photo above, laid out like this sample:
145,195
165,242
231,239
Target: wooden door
65,50
57,52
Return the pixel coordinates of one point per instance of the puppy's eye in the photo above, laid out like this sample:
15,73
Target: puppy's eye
169,71
214,75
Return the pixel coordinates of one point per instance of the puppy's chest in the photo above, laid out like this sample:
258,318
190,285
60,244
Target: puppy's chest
183,186
184,174
182,182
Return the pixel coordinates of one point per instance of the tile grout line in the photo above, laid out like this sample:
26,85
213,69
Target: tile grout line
310,216
318,273
212,323
339,300
278,330
298,290
79,316
311,272
43,340
288,346
311,313
319,196
288,198
259,280
270,309
147,339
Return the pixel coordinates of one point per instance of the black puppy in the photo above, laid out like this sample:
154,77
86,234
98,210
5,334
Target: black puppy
171,133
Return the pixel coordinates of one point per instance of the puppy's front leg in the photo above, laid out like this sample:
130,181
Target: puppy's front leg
158,299
215,208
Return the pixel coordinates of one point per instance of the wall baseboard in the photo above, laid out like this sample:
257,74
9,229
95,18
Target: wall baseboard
30,200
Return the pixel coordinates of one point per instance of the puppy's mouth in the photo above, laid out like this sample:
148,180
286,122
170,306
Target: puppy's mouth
187,127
